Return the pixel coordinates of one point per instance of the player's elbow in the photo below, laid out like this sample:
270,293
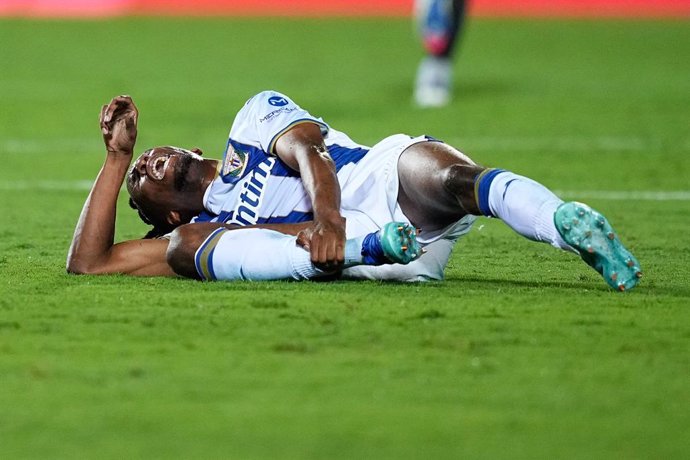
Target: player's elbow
184,241
73,269
76,266
81,263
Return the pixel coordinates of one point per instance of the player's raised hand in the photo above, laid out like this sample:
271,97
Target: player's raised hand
118,123
325,241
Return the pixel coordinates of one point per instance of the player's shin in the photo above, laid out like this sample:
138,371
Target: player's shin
535,212
252,254
261,254
523,204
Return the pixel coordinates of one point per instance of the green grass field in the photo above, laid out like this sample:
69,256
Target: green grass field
523,352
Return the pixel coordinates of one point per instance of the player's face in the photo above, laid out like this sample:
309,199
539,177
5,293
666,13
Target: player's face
159,179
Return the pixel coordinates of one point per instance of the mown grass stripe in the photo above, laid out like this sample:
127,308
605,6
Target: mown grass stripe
496,143
612,195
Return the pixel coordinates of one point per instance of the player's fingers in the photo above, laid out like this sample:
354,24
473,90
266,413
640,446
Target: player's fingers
123,100
340,252
117,105
109,111
132,107
340,248
330,249
323,252
333,258
131,121
318,251
119,110
314,247
101,119
125,103
303,239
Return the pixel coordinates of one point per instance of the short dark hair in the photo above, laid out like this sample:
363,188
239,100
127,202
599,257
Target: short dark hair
157,231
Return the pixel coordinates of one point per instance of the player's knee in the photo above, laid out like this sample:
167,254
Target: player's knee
460,176
184,241
458,179
430,270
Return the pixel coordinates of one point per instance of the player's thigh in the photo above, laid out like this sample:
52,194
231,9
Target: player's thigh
436,184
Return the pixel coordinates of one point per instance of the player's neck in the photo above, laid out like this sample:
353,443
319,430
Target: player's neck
209,174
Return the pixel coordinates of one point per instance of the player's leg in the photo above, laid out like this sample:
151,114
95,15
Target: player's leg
535,212
205,251
429,267
438,184
440,22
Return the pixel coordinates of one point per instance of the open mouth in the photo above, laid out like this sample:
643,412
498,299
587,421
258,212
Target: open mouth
157,166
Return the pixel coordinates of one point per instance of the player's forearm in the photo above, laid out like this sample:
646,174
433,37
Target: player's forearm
321,183
95,231
303,149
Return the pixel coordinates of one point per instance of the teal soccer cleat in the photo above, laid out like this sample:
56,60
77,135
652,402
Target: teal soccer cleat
395,243
399,242
592,236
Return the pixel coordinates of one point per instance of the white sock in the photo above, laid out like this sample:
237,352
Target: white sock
524,205
260,254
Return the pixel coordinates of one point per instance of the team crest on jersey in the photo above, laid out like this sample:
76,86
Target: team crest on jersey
235,162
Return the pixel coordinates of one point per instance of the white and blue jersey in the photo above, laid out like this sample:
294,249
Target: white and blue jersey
253,185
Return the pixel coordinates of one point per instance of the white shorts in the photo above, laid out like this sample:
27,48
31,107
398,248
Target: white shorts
369,197
370,200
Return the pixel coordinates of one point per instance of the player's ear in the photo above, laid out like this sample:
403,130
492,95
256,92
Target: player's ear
198,151
173,218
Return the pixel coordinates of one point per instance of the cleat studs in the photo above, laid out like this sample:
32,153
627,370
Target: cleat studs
400,228
621,287
610,235
575,221
590,249
581,212
630,263
600,222
404,248
638,274
614,276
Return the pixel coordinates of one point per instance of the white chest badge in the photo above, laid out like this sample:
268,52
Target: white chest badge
234,162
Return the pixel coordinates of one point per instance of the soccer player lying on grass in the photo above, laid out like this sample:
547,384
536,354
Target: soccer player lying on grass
283,165
263,252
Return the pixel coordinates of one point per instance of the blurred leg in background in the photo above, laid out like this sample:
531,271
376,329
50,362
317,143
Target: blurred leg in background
439,25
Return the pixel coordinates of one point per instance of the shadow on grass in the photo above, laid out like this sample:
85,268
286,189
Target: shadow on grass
476,282
492,283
